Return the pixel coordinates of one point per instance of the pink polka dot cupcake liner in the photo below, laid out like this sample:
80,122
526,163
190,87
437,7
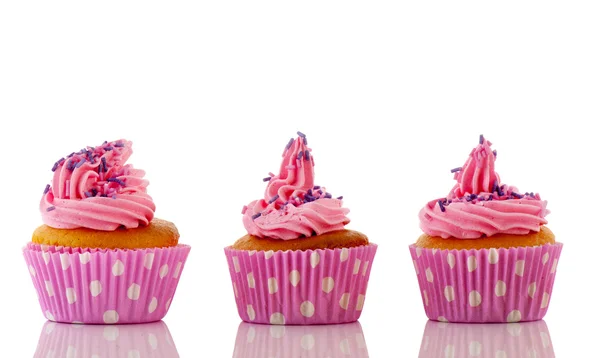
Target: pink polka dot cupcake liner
114,341
529,339
333,341
486,285
76,285
300,287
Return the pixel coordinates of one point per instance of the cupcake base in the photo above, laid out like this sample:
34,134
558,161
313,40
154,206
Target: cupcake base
486,285
300,287
94,286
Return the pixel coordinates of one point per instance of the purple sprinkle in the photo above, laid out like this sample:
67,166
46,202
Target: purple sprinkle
116,180
87,194
468,198
309,198
104,165
267,179
55,166
328,196
50,208
442,208
273,199
289,145
481,139
70,155
119,144
495,153
114,196
255,216
306,155
300,155
70,165
108,148
495,186
47,188
105,142
516,195
94,192
340,198
457,169
80,163
301,134
490,198
309,192
317,187
61,160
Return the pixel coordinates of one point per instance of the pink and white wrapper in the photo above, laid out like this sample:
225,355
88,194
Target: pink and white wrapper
105,286
333,341
529,339
297,287
486,285
114,341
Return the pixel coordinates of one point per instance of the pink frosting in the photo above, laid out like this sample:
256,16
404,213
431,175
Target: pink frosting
94,188
479,205
293,206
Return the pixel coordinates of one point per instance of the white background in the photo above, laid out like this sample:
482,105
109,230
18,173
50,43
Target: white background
390,95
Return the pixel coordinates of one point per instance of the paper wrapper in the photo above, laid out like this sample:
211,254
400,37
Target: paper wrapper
300,287
528,339
115,341
486,285
105,286
334,341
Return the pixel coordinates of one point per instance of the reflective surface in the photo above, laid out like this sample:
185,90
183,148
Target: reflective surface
98,341
343,340
527,339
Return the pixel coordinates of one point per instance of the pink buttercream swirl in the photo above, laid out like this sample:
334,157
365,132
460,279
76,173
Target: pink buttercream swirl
293,206
95,189
479,205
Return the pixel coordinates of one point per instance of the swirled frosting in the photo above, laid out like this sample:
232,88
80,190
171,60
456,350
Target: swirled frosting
479,205
293,206
95,188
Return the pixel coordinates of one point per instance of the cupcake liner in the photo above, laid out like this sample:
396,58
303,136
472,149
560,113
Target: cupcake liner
334,341
529,339
115,341
300,287
486,285
105,286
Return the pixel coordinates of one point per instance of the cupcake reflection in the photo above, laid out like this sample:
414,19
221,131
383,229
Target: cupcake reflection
527,339
259,341
98,341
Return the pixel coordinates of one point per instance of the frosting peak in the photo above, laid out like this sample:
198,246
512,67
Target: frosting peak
293,206
477,175
96,189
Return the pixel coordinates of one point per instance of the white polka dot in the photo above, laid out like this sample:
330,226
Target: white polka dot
345,347
236,264
134,354
51,354
442,319
472,263
50,316
118,268
250,335
235,290
71,295
554,264
272,284
168,304
520,268
251,252
251,282
449,351
474,298
429,275
356,267
545,300
416,266
360,302
425,298
433,251
475,349
344,254
532,353
251,312
531,289
314,259
277,331
277,318
307,309
95,288
501,354
545,339
110,317
345,300
500,289
65,261
148,260
85,257
95,356
49,288
545,258
327,284
177,270
451,260
493,256
449,293
46,257
514,316
419,251
294,277
31,270
152,341
110,333
49,327
365,268
71,352
307,342
153,304
133,292
514,329
268,254
164,270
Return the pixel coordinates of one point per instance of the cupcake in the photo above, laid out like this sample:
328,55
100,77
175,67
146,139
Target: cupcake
298,265
101,257
486,254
